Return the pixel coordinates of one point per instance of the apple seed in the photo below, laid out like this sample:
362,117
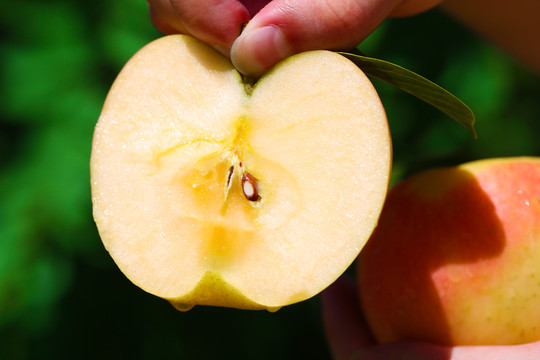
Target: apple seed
249,185
229,177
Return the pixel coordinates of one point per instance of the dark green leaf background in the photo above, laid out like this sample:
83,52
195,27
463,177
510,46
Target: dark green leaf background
62,297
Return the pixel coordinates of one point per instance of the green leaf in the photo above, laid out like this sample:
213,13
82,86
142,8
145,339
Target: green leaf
418,86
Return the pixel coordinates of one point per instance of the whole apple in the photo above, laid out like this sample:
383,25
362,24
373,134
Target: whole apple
455,258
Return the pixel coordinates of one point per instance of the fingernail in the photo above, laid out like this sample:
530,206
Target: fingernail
257,50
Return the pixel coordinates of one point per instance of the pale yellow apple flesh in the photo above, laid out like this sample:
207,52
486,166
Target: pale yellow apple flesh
455,259
205,193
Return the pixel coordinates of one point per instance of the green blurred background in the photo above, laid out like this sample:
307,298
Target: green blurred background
62,297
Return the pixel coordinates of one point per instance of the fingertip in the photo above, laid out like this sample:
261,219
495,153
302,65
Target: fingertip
223,50
256,50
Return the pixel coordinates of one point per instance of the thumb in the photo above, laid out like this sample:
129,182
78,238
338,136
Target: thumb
286,27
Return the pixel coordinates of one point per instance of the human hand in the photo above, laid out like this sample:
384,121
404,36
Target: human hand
279,28
349,337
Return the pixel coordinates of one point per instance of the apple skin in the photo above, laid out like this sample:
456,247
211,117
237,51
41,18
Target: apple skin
455,258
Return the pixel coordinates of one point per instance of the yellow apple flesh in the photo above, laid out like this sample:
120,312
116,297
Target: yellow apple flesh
207,192
455,258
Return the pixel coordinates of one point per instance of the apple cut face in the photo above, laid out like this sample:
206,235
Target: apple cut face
208,192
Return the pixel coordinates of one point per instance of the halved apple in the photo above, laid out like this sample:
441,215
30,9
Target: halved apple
206,191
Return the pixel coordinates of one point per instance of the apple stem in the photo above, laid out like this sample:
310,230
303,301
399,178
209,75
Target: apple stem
249,83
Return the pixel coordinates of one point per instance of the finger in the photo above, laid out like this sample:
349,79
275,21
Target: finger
286,27
426,351
528,351
164,18
215,22
344,325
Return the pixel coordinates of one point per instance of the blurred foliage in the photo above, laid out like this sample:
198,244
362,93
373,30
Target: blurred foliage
62,297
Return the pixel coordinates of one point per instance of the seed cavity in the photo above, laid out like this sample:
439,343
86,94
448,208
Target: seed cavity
249,186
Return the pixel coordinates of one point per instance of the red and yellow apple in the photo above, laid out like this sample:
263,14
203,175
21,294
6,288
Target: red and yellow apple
209,191
455,258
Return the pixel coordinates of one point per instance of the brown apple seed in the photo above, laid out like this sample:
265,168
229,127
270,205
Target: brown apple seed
249,186
229,177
